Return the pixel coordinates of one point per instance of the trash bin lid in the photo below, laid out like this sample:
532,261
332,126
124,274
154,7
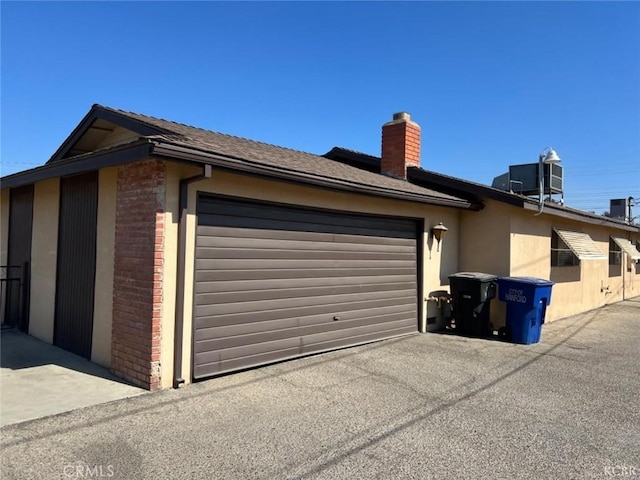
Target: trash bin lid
481,277
527,280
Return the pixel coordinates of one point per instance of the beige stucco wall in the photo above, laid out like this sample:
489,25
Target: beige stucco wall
485,243
576,289
103,293
437,265
4,225
44,254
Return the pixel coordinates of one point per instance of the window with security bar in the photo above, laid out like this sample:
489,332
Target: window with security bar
561,254
615,253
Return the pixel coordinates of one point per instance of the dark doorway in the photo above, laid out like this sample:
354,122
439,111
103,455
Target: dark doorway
76,263
17,270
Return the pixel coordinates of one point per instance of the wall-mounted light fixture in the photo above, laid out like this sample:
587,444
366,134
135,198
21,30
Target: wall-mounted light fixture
438,232
548,156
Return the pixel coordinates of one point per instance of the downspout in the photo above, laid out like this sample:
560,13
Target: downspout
178,337
624,273
540,186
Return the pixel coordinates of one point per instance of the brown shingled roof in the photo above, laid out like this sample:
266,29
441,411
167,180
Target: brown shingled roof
259,153
179,142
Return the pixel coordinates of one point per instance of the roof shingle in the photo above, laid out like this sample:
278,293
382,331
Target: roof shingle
278,157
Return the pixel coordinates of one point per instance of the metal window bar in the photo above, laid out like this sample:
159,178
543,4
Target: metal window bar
563,257
12,289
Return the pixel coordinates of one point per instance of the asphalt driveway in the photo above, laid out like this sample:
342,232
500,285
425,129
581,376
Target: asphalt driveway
423,406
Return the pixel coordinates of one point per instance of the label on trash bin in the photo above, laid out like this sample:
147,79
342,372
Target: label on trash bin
515,295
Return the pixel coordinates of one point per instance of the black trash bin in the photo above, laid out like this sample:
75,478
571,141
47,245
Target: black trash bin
471,294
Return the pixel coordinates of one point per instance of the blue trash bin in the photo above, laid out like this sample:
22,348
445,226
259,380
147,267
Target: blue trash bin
527,299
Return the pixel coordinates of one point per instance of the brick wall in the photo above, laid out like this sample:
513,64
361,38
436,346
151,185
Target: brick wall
138,271
400,145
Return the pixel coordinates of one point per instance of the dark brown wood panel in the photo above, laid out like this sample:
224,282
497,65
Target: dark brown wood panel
18,267
276,282
76,263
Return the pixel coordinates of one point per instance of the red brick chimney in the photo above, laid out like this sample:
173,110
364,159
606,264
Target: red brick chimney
400,145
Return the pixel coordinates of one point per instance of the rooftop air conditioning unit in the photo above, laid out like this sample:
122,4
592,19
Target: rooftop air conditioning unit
618,208
524,178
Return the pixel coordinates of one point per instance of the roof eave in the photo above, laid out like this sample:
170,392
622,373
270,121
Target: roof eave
180,152
100,112
80,164
601,221
423,178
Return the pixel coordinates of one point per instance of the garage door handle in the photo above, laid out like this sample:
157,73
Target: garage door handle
336,317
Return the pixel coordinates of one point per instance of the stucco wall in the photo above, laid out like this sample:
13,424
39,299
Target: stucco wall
437,265
577,289
485,240
485,243
44,255
103,299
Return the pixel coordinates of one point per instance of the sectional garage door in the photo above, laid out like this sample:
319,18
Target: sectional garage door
275,282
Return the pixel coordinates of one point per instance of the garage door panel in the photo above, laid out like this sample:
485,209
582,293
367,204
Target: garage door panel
206,369
223,338
282,254
297,292
346,335
278,264
355,340
291,343
361,317
232,275
206,232
216,367
294,301
279,284
227,350
237,214
329,309
304,317
275,282
259,223
337,245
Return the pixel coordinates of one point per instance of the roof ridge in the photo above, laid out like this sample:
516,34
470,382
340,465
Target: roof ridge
129,113
357,152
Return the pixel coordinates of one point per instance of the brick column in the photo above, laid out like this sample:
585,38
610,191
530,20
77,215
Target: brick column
138,273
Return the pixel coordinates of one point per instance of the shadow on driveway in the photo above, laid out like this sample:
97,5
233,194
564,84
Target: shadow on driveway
39,379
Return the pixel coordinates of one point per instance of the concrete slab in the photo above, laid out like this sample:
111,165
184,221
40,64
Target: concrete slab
39,379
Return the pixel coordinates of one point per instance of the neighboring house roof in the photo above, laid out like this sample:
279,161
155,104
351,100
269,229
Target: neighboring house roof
175,141
476,192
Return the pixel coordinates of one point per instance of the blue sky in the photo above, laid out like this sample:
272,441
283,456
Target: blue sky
491,83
